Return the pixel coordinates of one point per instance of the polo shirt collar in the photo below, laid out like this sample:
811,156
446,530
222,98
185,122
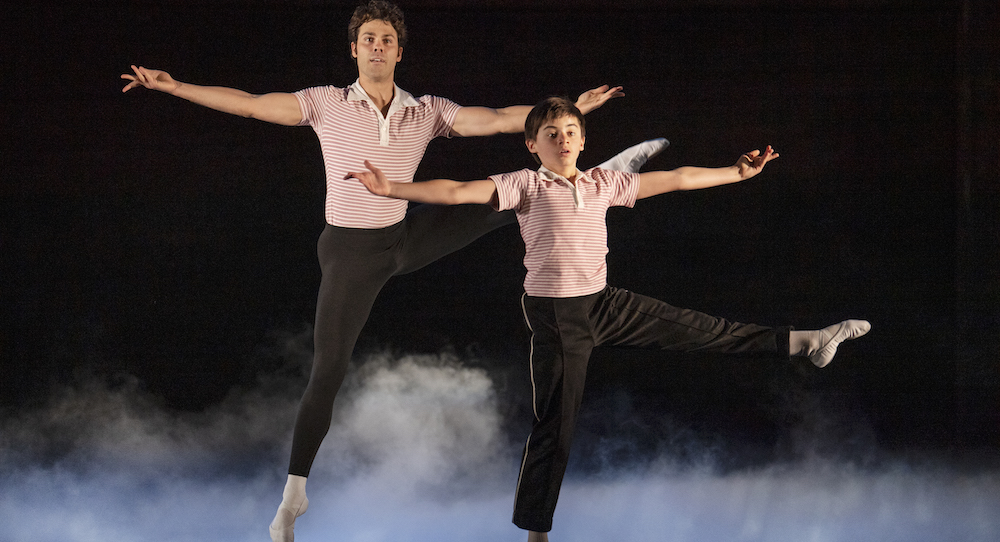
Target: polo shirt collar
400,98
549,175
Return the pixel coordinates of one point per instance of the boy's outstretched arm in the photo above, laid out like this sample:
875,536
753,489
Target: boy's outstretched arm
693,178
439,191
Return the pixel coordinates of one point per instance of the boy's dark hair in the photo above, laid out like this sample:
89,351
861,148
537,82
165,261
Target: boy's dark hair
377,10
551,108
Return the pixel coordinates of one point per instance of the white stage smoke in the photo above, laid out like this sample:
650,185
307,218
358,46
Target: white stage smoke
418,453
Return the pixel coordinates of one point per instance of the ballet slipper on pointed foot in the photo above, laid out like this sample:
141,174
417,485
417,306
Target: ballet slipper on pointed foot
836,334
283,527
634,157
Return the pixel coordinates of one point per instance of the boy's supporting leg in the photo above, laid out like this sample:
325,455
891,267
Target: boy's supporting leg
535,536
634,157
560,350
821,345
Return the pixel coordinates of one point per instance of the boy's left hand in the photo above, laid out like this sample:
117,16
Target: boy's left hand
753,162
594,98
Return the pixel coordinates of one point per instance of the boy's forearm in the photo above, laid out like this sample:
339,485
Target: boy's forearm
437,191
445,191
694,178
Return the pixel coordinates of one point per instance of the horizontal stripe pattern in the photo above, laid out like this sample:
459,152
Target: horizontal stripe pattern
566,245
348,132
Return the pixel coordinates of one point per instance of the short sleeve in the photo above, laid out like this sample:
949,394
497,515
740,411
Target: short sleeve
511,189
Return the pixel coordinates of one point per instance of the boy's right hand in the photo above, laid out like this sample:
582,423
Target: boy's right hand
373,179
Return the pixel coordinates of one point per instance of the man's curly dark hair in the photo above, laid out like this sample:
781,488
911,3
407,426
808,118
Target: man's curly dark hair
377,10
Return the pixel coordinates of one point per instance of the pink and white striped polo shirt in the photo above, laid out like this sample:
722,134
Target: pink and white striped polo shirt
352,130
564,226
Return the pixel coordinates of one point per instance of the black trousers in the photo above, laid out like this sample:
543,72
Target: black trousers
564,331
356,264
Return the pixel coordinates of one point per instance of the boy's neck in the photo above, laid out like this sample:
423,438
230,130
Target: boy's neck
567,172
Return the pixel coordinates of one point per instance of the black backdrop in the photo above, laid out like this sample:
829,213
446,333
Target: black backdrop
145,236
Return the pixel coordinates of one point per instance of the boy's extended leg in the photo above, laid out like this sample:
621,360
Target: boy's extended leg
624,318
629,319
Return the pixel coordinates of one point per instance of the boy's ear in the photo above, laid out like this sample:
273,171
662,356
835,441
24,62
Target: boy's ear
530,143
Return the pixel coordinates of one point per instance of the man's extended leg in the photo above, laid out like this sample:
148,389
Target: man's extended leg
634,157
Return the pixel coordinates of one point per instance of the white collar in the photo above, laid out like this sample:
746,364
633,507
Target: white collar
400,98
550,175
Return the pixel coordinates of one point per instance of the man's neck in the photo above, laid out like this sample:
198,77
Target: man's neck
380,92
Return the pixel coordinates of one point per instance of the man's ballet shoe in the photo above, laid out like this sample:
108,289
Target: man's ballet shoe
286,533
634,157
834,335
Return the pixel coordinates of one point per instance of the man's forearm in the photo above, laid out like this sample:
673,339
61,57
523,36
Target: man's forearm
278,108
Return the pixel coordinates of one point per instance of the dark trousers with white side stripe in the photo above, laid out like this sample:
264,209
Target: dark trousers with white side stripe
564,331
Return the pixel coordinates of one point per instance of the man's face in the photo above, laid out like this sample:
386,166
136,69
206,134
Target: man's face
377,50
558,143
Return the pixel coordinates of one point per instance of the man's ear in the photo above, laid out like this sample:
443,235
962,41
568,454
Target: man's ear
354,49
399,56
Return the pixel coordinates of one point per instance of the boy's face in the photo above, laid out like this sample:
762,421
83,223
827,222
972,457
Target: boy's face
558,143
377,50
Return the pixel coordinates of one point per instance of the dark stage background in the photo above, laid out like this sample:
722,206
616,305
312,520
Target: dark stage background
152,242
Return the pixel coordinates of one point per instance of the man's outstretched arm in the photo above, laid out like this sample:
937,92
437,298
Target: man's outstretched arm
276,107
484,121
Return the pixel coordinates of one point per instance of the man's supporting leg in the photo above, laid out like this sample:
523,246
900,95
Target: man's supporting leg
355,266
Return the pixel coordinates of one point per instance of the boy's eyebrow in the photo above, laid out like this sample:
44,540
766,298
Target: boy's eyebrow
553,126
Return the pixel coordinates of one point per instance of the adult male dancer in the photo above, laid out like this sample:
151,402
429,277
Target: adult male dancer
369,239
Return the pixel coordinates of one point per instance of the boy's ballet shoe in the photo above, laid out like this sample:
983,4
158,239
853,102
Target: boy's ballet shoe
836,334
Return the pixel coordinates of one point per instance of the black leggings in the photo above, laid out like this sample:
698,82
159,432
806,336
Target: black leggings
356,264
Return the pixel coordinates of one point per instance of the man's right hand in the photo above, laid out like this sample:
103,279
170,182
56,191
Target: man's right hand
151,79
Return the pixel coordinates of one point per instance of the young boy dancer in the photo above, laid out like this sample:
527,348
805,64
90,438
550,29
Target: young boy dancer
568,305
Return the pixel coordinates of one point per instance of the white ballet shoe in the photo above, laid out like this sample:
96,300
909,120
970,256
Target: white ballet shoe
634,157
834,335
286,533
